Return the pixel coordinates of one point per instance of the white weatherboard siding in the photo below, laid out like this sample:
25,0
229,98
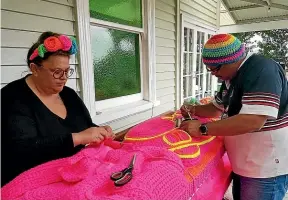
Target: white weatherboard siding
204,11
22,23
165,54
204,14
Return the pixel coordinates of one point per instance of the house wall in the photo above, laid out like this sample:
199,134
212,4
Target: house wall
205,11
165,14
21,25
23,22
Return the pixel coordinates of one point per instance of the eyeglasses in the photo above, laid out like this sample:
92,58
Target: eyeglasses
215,69
59,73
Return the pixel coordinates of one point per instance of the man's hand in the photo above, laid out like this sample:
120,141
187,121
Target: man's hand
187,108
191,127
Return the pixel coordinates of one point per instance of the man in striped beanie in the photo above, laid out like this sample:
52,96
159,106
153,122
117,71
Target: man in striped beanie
223,49
253,102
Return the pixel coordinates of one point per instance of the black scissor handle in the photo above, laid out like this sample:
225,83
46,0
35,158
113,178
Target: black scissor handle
125,179
117,175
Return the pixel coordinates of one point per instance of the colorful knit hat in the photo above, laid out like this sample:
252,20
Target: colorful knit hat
222,49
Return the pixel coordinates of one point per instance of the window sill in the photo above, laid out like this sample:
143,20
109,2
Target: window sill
111,114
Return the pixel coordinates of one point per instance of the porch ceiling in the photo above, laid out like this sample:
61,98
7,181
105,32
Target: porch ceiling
248,13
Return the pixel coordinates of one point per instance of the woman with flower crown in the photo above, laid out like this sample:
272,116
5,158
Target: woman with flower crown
42,119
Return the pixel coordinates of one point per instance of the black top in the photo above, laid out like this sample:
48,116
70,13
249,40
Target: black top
259,81
31,133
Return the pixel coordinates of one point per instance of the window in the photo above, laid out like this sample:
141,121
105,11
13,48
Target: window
119,57
209,82
195,81
116,50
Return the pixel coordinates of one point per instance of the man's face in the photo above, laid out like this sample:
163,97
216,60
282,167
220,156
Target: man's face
224,72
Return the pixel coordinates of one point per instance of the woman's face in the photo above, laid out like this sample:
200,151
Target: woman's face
53,72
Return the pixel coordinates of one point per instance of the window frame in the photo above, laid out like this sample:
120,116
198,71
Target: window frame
100,112
122,100
195,25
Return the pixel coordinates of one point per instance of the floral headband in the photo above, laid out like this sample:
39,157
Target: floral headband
53,44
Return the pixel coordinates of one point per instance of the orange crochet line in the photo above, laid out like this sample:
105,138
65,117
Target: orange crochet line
172,117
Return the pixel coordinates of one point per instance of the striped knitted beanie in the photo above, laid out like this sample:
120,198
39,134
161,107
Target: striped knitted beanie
222,49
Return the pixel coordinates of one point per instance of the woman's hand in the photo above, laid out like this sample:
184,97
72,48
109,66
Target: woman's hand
92,135
109,130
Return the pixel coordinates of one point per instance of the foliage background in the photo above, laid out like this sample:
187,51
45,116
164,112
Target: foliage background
274,43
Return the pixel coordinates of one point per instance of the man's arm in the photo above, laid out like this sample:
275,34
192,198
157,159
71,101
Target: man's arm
207,111
237,125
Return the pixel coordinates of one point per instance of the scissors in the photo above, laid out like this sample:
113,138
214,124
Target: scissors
122,177
188,112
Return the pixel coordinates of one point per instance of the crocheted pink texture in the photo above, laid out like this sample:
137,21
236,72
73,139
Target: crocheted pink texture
158,174
198,169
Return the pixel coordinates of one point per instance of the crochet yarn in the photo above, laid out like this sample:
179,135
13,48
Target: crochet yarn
53,44
222,49
169,165
200,156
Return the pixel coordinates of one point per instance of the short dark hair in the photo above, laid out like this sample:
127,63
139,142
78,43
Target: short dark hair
38,60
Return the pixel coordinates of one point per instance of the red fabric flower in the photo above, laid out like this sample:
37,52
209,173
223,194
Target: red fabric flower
53,44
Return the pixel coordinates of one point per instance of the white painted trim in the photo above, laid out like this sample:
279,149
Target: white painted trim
115,113
268,4
150,38
98,22
232,16
191,25
188,22
218,9
179,56
194,60
180,93
85,56
204,89
118,101
262,26
147,34
192,21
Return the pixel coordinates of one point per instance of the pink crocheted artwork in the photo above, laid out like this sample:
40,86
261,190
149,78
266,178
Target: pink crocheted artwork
169,165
